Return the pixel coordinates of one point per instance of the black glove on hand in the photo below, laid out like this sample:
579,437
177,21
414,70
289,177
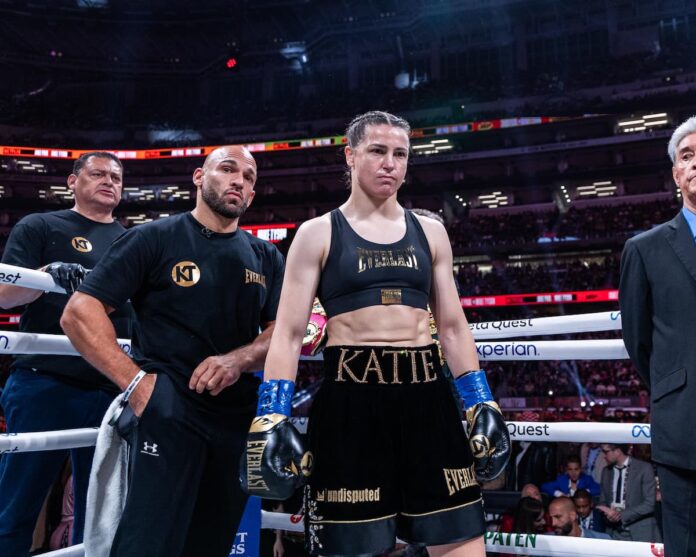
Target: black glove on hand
274,462
488,434
489,440
67,275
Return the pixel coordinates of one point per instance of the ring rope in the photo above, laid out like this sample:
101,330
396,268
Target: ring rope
29,278
496,542
579,432
519,544
12,342
48,440
608,349
561,432
562,324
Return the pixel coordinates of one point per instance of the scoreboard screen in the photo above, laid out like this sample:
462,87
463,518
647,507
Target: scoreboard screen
270,232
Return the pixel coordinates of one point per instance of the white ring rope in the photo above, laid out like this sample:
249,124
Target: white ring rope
610,349
562,324
48,440
496,542
560,432
12,342
519,544
580,432
28,278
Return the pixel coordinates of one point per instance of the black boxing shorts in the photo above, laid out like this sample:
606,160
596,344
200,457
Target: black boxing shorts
391,457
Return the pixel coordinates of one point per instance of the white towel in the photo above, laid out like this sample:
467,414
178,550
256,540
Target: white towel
108,486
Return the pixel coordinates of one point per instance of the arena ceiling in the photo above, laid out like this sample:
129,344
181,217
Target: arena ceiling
183,37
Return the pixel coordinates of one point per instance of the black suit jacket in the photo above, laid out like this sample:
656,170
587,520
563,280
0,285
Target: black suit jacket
538,465
657,296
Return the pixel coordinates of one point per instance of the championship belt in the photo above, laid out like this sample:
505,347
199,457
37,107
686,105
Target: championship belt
315,337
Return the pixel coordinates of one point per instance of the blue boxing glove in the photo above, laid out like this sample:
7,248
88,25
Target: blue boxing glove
488,435
274,462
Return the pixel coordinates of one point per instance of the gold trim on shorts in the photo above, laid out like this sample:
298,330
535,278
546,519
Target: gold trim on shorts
444,510
352,521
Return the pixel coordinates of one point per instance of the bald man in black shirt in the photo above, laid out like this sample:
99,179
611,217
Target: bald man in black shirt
202,290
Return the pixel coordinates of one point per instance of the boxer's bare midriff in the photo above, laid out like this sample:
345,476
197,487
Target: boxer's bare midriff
395,325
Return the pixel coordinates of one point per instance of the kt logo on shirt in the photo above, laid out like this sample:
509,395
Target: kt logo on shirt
186,273
81,244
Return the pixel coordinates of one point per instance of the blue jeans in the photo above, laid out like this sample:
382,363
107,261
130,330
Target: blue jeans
36,402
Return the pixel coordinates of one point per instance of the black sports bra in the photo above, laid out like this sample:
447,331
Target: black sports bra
359,273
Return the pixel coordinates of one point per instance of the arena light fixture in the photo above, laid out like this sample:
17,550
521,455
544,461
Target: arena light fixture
432,147
655,123
93,4
630,122
602,188
138,219
60,191
296,53
641,123
493,200
32,166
